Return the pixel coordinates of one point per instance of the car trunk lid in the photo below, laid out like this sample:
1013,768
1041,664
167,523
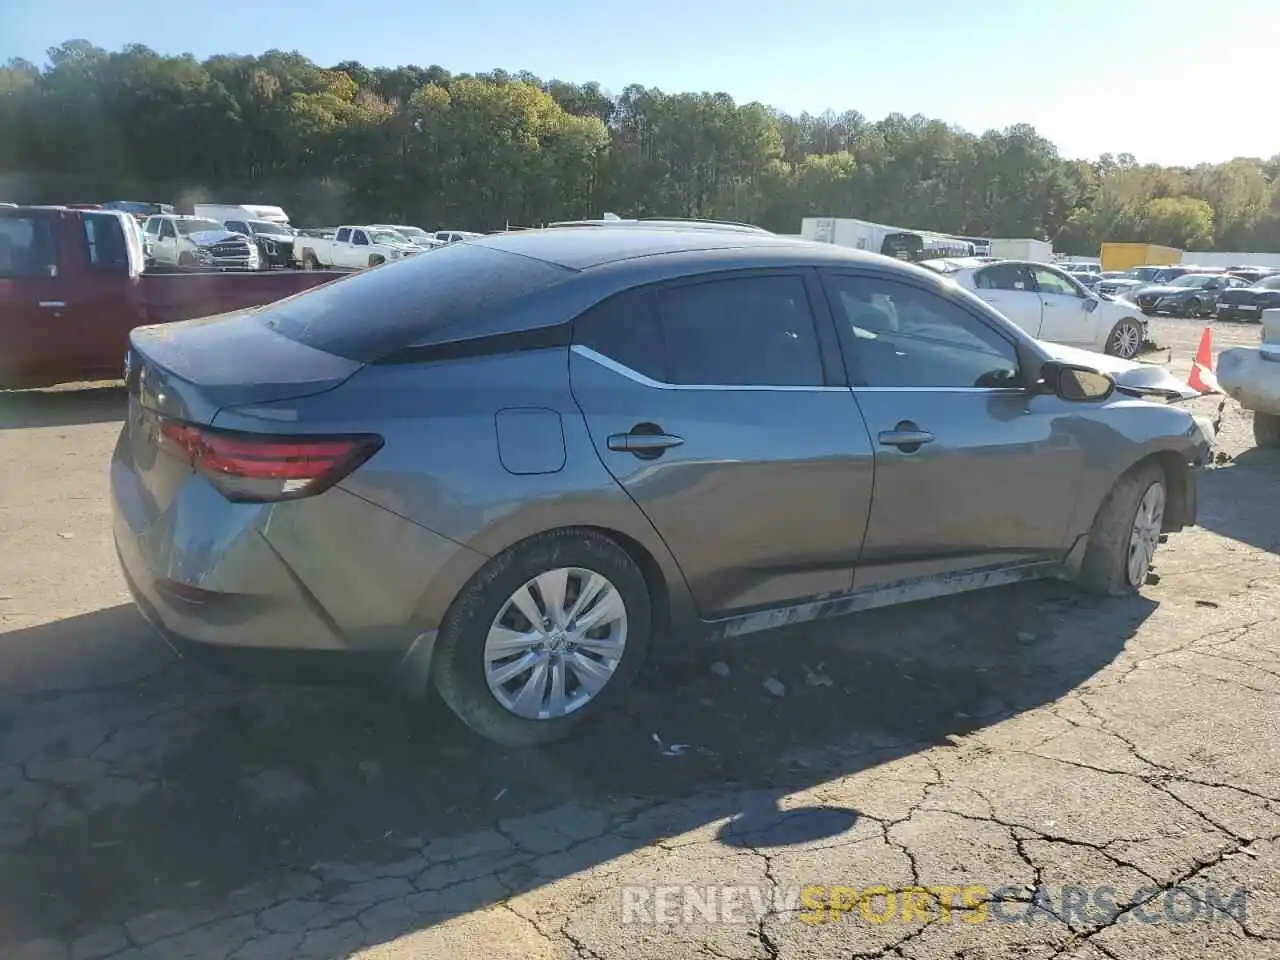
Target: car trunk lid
184,373
191,370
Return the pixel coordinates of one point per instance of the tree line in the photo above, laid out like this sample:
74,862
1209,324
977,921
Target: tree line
480,151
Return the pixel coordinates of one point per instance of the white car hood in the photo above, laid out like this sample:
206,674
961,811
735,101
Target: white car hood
1130,376
207,238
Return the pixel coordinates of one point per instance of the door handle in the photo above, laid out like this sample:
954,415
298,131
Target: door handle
53,304
906,436
643,444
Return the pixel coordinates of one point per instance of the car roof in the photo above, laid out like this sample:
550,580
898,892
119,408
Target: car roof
585,249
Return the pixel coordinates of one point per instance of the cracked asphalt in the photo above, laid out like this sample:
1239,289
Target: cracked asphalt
1025,741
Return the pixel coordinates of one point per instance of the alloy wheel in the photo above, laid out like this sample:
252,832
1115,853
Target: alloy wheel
1126,340
555,643
1145,534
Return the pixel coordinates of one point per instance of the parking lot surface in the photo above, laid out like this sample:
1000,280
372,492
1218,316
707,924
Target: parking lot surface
1026,743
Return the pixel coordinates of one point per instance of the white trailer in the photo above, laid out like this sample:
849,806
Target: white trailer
902,242
242,211
1202,258
1037,251
846,232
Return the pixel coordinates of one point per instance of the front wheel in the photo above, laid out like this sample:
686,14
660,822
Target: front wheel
1125,534
1266,430
1125,339
544,638
1193,309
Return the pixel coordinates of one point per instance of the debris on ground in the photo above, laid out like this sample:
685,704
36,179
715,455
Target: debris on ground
1026,636
500,794
720,668
816,678
1206,603
774,686
668,750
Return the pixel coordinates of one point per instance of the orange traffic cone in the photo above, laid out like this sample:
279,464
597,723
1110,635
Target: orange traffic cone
1202,377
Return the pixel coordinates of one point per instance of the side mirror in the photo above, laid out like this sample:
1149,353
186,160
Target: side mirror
1090,304
1076,384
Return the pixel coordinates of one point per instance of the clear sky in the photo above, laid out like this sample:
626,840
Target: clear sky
1170,82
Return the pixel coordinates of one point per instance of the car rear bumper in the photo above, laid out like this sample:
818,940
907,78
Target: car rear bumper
331,577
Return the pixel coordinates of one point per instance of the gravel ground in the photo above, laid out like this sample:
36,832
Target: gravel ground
1024,741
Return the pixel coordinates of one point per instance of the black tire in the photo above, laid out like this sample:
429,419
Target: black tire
1120,344
1193,308
186,260
309,261
458,665
376,260
1106,560
1266,430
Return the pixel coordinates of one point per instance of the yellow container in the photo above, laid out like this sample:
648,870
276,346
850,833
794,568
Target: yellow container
1122,256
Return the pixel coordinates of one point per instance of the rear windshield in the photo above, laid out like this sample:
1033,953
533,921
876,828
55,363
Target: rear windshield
371,314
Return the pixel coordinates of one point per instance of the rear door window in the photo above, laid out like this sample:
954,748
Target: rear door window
625,329
105,239
1005,276
27,248
344,235
747,331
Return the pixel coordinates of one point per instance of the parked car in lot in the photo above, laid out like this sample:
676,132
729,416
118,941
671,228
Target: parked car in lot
1251,274
516,467
274,240
1050,304
456,236
353,248
1190,295
191,242
1133,279
72,286
1247,303
415,235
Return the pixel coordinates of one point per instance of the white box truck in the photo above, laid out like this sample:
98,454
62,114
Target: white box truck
1037,251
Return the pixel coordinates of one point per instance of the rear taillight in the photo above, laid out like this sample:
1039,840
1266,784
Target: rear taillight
261,468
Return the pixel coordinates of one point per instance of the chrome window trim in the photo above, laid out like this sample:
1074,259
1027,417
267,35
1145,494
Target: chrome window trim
634,375
623,370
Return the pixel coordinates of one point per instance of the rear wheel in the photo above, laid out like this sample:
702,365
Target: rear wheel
1125,533
310,261
1266,429
186,260
376,259
1193,308
545,637
1126,339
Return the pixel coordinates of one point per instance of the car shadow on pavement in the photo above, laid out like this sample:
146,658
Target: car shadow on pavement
1230,494
93,403
133,782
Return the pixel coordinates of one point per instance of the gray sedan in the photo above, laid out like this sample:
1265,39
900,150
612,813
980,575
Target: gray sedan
516,468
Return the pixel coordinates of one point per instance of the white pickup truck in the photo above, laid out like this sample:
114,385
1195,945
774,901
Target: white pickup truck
352,248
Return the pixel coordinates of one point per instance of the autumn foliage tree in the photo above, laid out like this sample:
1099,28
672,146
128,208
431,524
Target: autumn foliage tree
420,145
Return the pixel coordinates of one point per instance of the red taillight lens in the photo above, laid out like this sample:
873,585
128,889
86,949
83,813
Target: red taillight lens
258,468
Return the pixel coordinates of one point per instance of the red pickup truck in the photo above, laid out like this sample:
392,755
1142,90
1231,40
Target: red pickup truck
72,286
